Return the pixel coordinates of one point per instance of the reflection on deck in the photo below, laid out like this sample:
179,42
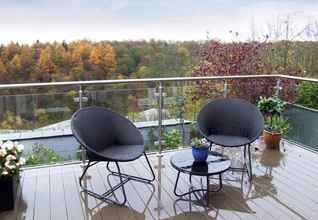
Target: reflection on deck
285,186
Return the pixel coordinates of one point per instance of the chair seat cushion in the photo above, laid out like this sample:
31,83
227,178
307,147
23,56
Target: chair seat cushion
228,140
119,153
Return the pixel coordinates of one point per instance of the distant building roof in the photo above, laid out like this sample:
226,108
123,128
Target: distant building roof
63,128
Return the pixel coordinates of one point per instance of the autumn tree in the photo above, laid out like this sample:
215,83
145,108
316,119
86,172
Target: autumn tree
84,47
103,57
3,72
9,51
77,67
237,58
15,65
26,58
46,66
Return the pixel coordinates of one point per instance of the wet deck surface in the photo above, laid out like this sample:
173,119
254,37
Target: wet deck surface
285,186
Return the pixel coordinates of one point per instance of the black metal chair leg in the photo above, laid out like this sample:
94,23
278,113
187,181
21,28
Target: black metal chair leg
83,174
135,178
247,163
105,196
250,163
122,185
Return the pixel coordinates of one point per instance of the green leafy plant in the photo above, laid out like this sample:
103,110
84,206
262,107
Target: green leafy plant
271,106
194,133
307,95
152,138
198,142
41,154
172,139
278,124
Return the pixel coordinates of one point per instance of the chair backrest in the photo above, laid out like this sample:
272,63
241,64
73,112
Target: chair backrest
231,116
96,128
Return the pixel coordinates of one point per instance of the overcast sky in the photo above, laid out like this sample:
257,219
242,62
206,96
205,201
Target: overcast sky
48,20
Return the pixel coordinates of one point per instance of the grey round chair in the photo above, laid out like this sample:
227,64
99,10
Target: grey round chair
231,122
108,137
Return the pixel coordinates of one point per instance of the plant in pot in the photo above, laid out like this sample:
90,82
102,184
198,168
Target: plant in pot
275,127
10,163
200,150
275,124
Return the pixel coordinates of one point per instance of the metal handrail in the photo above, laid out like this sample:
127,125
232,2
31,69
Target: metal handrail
299,78
167,79
124,81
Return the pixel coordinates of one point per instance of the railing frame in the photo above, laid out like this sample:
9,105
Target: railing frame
160,88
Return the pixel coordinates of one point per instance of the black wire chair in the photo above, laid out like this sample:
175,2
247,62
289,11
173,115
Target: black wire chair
231,122
108,137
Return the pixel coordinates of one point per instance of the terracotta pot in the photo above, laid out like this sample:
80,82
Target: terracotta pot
272,139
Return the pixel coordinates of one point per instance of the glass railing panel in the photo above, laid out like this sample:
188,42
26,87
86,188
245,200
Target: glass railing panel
251,89
302,114
137,102
183,102
39,119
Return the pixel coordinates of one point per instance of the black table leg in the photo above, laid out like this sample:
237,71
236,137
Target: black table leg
207,190
220,182
192,190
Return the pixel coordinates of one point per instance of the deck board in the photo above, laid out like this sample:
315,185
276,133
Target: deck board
73,202
284,187
58,203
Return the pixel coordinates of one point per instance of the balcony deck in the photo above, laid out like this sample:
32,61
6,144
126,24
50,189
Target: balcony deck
285,186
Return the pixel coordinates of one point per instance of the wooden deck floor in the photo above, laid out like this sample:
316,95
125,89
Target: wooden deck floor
285,186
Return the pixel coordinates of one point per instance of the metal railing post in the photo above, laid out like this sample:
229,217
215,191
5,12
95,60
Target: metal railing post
80,96
80,101
278,87
160,107
225,89
160,96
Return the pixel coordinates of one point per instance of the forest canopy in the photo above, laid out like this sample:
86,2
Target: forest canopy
87,60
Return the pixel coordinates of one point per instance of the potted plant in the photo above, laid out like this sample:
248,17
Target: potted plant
10,163
275,127
200,150
275,123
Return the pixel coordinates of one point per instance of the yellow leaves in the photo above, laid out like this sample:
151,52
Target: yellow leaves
182,52
45,62
14,67
12,121
103,55
142,72
76,59
16,63
94,57
26,56
84,48
3,69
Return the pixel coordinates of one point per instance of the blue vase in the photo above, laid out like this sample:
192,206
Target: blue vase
200,154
